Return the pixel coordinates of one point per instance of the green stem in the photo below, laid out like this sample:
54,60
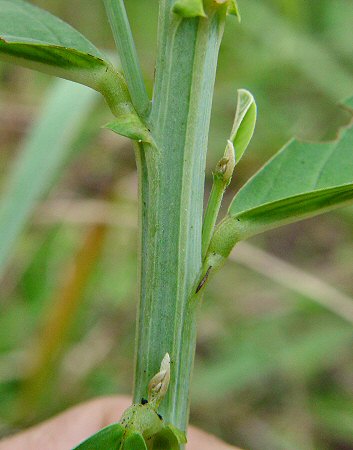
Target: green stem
221,178
211,214
171,189
120,26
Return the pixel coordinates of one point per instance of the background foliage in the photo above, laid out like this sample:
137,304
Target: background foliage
274,364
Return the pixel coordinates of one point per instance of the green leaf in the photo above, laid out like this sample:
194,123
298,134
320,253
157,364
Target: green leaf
165,440
133,440
130,125
32,37
244,123
168,438
109,438
300,181
189,8
44,152
180,435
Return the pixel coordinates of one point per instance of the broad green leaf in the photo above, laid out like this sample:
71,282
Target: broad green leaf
109,438
32,37
302,180
133,440
189,8
244,123
44,152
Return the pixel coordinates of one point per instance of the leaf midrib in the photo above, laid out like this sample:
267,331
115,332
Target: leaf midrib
43,44
300,194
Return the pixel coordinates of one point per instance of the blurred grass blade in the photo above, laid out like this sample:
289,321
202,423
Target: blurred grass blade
34,38
65,304
42,155
300,181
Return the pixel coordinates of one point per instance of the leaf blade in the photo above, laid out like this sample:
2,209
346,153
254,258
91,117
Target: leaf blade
109,438
134,440
38,25
234,229
34,38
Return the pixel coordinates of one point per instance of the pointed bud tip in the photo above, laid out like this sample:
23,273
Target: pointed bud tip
225,166
165,364
158,386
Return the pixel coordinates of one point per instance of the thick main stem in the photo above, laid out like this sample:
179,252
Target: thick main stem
171,187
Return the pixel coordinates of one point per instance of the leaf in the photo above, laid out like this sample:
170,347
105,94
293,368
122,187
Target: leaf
301,180
189,8
165,440
44,152
168,438
133,440
244,123
130,125
109,438
180,435
34,38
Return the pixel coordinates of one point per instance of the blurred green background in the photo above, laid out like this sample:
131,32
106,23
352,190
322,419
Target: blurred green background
274,364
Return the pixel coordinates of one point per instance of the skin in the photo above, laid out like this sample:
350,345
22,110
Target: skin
68,429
